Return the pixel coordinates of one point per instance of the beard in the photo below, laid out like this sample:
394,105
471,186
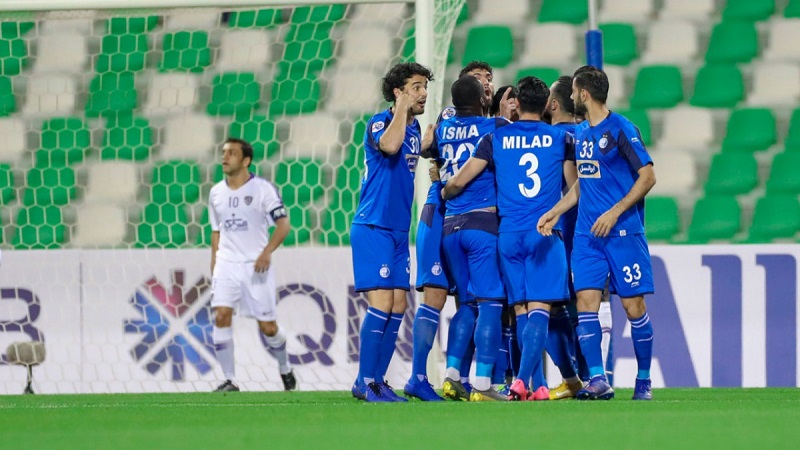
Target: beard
547,116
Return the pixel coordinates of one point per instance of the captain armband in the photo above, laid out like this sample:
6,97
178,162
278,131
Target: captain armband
278,213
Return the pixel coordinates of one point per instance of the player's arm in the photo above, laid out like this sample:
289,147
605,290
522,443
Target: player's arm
508,106
214,247
567,202
391,141
214,222
427,142
282,228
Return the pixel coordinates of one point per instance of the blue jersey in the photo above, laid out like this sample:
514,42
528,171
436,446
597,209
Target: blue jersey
455,141
608,157
435,191
387,188
527,158
569,218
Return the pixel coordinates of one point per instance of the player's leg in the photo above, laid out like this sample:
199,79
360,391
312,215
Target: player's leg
274,339
462,325
226,292
560,347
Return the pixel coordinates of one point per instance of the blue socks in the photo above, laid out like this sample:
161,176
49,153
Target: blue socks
459,336
388,345
642,337
501,360
561,343
590,335
371,336
534,338
426,322
487,341
466,360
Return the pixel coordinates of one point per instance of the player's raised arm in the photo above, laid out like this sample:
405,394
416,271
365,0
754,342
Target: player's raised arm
408,102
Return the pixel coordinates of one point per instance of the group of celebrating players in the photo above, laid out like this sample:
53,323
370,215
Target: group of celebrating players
531,216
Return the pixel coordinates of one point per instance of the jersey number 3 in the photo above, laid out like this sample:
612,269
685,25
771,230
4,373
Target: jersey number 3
530,158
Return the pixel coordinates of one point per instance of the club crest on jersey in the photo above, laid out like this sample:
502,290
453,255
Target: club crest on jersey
248,199
377,126
385,272
603,142
436,269
588,169
448,113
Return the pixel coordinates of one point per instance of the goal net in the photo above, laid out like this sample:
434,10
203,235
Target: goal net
111,124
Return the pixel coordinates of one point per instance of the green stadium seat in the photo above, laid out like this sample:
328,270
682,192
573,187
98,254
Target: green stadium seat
318,14
175,182
718,86
234,94
547,74
619,43
775,217
662,220
162,225
14,30
300,180
639,118
128,138
263,18
292,96
570,11
8,101
793,138
260,132
13,56
7,192
732,41
732,174
64,141
308,49
784,178
122,53
186,51
50,186
748,9
131,25
39,227
714,218
463,14
792,10
657,87
111,93
491,43
750,130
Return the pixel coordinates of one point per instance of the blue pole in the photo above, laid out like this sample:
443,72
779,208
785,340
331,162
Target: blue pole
594,39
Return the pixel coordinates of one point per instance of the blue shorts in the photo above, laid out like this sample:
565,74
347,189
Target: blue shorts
470,244
432,268
534,266
625,258
380,258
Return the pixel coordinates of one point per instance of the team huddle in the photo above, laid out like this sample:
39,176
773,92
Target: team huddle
531,216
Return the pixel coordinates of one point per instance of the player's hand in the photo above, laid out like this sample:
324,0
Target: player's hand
508,106
605,223
263,262
434,173
427,139
547,222
404,101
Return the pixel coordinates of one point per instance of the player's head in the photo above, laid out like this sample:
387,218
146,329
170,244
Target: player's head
411,78
532,95
560,101
590,85
484,73
495,109
237,154
467,94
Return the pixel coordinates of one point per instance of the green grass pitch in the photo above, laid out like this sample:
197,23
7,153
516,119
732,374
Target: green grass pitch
678,418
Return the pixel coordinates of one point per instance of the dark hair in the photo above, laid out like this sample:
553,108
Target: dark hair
562,92
533,95
584,69
595,82
398,75
247,149
475,65
466,91
495,108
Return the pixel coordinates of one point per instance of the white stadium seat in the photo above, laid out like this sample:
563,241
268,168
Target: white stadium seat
386,14
775,84
50,95
677,173
313,135
507,12
62,27
672,42
59,53
188,137
188,19
638,11
549,44
112,182
366,47
243,50
12,139
171,93
698,10
616,85
353,91
99,225
687,128
784,34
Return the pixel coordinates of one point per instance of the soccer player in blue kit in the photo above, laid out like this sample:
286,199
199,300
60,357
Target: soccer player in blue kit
615,173
526,159
379,234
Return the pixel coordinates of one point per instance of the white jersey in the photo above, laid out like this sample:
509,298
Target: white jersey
243,217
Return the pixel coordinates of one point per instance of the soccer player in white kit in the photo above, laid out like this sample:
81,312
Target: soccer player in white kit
241,208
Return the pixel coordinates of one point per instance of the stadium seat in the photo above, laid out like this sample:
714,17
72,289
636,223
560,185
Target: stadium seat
50,95
171,93
112,182
693,10
639,118
570,11
8,192
491,43
508,12
188,137
619,43
550,44
192,19
677,174
732,174
384,14
294,95
366,47
353,91
262,18
122,53
162,226
234,94
111,93
39,227
185,51
127,137
750,130
732,42
792,9
671,42
775,84
317,14
12,139
308,49
62,27
300,180
64,141
775,217
793,137
260,132
99,225
8,101
687,128
783,33
300,220
639,11
243,50
175,182
313,136
13,56
617,85
662,220
12,30
657,87
49,186
715,218
131,25
60,54
751,10
784,178
547,74
718,86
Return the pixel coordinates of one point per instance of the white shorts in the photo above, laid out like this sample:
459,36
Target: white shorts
237,284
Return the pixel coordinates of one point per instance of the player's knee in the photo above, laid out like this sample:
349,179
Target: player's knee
223,317
399,304
589,300
635,307
435,298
